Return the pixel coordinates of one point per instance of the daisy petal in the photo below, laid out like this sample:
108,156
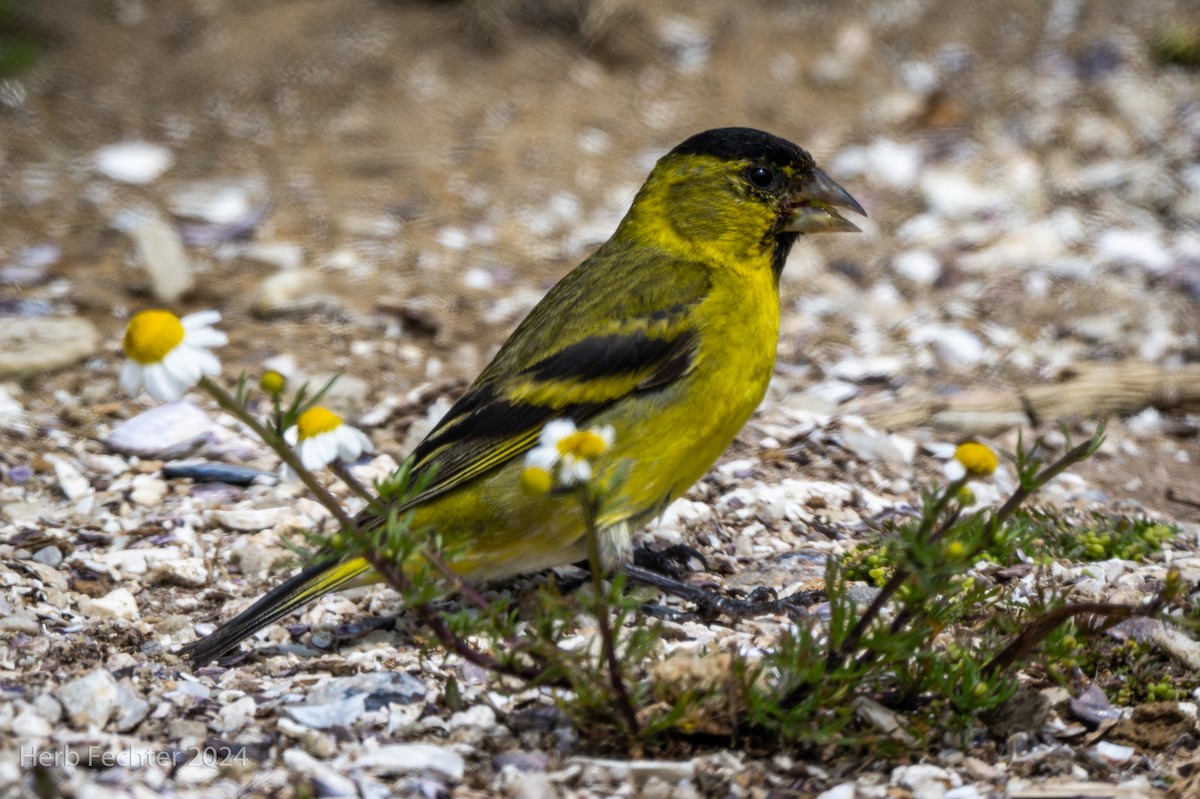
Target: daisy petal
207,337
159,384
352,443
556,431
181,366
208,363
131,378
542,458
576,471
607,434
199,319
327,447
310,456
179,384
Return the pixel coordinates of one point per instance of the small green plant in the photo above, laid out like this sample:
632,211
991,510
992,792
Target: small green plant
1038,535
946,647
1130,671
1091,535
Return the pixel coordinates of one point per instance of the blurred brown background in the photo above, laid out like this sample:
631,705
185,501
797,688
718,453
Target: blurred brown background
386,187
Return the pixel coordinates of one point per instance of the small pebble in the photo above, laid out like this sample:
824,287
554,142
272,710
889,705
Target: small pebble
216,202
919,266
116,604
216,473
925,781
50,556
30,266
148,490
413,759
296,291
1144,248
30,726
90,700
327,781
32,345
187,572
250,520
1115,754
133,707
597,771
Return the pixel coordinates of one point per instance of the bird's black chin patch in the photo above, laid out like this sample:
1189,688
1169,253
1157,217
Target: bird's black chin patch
779,253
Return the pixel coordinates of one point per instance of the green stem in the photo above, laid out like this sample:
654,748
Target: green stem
394,576
277,414
1040,628
837,655
346,476
466,589
589,504
430,553
1024,492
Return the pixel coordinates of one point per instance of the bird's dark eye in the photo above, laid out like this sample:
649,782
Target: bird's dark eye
760,176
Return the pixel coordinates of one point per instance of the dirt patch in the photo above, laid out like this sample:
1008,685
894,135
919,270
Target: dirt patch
1156,727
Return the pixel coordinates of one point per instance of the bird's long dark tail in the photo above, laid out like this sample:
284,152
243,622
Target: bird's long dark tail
315,581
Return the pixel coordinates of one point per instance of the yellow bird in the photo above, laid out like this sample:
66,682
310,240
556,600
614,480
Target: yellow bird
667,333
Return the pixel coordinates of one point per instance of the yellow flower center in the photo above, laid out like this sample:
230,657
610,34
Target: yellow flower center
978,459
315,421
151,335
536,480
272,382
582,444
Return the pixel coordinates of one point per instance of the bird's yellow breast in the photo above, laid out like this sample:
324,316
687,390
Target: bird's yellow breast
698,416
666,439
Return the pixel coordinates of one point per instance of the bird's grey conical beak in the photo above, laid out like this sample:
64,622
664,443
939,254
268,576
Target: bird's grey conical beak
815,203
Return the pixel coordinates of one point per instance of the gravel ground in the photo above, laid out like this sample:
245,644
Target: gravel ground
385,188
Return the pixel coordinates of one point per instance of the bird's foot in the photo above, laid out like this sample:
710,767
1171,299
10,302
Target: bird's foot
709,604
671,561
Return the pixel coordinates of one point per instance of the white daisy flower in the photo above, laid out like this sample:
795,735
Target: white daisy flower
169,355
564,455
971,459
321,437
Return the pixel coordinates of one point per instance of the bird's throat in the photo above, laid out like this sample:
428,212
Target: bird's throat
780,250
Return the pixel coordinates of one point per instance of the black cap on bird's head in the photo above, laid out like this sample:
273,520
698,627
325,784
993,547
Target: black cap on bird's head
775,164
733,144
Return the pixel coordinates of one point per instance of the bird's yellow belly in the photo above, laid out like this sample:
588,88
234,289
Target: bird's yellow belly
665,441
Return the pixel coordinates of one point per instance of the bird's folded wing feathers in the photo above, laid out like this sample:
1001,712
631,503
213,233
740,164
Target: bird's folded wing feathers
498,420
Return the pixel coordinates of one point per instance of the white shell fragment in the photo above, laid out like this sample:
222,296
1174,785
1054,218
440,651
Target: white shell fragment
135,162
170,430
